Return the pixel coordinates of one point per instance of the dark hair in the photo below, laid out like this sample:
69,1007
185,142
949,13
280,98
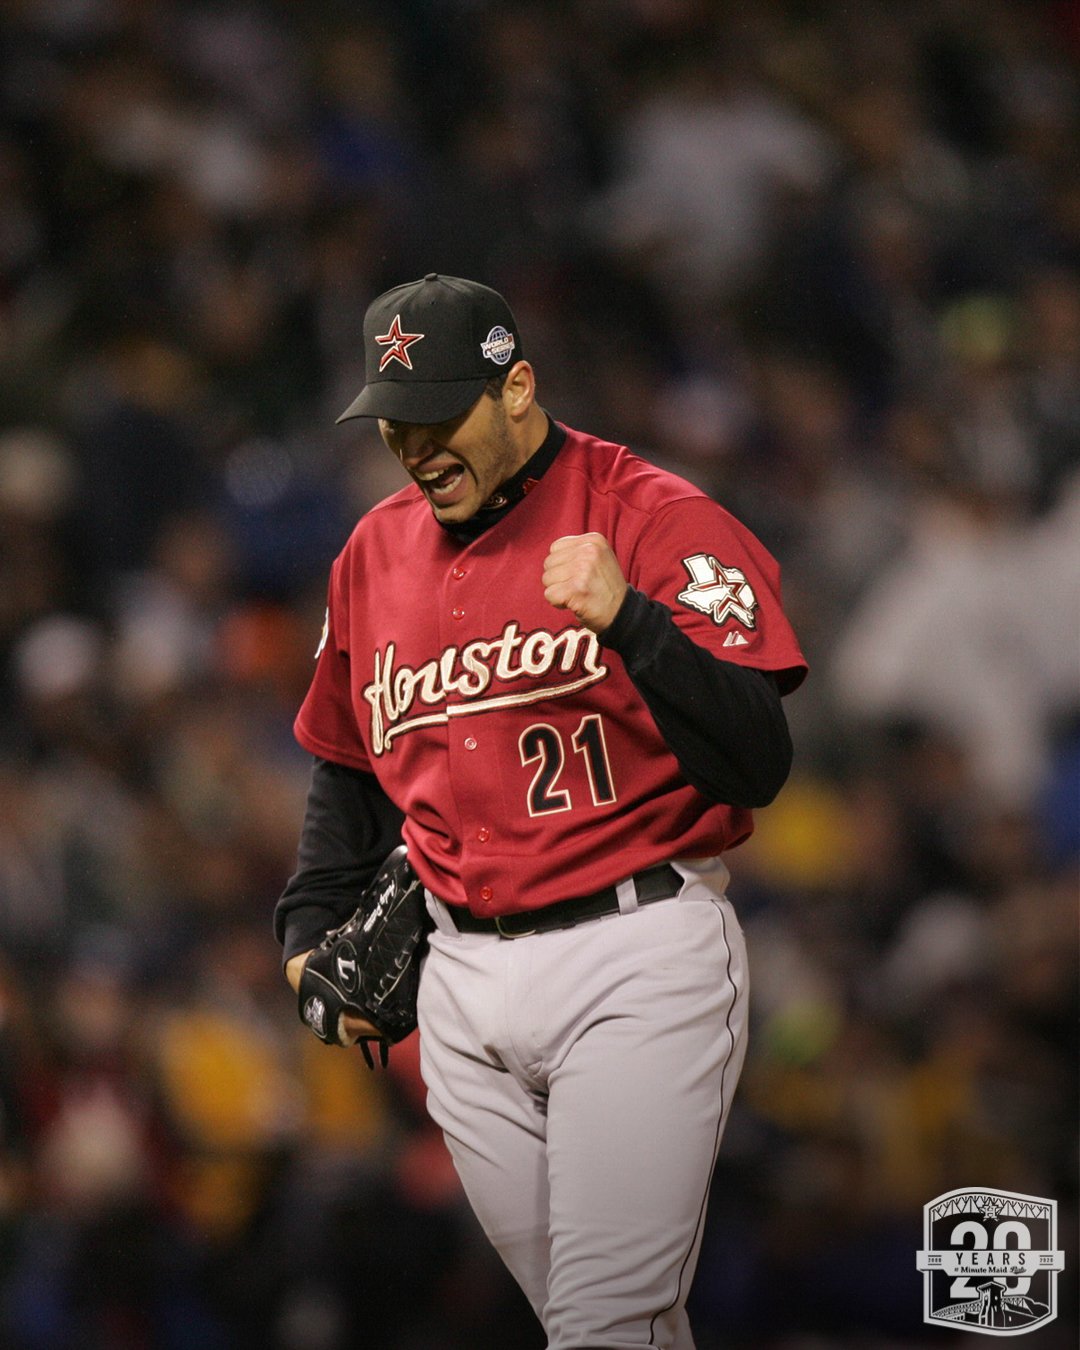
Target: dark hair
494,386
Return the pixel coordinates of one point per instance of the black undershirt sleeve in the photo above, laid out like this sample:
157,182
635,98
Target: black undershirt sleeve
723,722
350,827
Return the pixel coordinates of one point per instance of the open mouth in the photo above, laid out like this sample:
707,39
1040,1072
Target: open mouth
440,485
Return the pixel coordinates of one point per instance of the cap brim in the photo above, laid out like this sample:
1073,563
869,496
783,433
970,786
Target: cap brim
415,400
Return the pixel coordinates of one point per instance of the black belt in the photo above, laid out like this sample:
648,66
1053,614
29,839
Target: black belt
658,883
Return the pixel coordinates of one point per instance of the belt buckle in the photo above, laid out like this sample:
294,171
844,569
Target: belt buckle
503,932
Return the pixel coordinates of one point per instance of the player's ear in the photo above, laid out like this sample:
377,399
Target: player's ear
519,391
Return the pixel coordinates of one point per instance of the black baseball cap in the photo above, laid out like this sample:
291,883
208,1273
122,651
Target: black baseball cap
430,347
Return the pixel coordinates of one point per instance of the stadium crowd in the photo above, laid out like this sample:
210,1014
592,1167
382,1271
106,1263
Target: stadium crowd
821,259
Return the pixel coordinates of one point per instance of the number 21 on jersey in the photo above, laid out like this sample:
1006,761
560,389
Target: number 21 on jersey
542,745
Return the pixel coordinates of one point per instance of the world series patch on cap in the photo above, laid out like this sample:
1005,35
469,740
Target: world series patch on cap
430,347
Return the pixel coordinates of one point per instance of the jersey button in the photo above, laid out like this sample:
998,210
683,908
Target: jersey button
458,612
486,893
457,572
470,742
483,834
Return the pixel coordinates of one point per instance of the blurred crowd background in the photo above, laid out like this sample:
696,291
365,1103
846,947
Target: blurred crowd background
823,260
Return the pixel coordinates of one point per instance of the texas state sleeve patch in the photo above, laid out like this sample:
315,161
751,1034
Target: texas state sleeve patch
721,592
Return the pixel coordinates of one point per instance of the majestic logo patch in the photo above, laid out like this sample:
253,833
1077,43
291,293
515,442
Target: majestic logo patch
467,673
315,1015
498,346
990,1262
397,344
721,592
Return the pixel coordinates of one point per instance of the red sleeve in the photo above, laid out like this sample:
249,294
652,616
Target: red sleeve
722,586
326,723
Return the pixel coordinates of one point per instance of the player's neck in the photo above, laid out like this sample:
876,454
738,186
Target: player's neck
530,434
514,489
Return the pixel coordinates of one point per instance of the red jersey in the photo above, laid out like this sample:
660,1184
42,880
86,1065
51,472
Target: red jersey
527,765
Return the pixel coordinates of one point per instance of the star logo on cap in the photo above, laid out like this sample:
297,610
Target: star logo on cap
397,344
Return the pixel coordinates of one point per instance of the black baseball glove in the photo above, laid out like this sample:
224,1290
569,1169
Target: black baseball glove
370,966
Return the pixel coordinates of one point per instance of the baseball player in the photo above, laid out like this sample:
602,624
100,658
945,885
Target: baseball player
554,670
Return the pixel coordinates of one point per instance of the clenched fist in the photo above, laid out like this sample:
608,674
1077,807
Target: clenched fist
582,574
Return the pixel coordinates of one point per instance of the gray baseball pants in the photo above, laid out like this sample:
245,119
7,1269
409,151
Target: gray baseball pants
582,1079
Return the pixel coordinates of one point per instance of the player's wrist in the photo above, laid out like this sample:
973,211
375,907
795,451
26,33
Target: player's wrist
294,969
626,620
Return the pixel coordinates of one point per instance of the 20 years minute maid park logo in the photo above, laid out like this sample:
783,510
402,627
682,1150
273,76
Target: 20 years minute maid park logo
990,1262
